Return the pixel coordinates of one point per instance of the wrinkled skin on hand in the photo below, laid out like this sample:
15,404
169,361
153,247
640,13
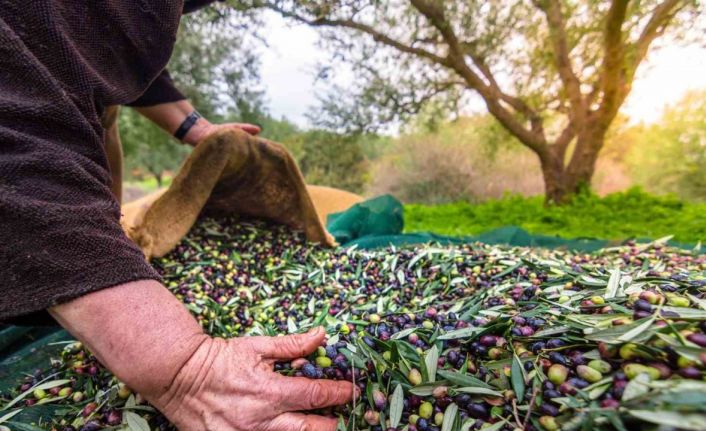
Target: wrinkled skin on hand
230,172
231,385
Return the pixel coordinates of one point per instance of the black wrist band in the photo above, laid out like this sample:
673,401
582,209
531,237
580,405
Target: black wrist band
186,125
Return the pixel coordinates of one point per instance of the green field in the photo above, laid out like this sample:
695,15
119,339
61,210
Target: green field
618,216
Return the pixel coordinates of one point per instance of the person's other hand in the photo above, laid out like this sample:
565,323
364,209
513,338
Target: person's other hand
231,385
203,128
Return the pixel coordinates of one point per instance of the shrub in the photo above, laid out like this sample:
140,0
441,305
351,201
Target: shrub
617,216
468,159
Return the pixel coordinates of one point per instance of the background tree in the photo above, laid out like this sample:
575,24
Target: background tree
147,148
332,159
670,156
554,73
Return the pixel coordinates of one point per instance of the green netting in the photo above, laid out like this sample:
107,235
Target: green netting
371,224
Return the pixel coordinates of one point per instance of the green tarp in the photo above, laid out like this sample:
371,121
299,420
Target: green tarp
379,222
371,224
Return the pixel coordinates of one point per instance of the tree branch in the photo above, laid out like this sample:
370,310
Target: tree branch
516,103
662,16
620,67
562,59
565,138
491,94
612,76
376,35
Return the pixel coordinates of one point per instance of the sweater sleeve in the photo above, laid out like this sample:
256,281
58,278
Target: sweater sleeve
194,5
60,233
162,90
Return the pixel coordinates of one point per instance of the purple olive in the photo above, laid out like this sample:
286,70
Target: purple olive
697,338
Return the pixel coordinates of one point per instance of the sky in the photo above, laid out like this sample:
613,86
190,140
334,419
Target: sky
289,63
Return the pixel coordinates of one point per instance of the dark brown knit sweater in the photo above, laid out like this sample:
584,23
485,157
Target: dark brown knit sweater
61,63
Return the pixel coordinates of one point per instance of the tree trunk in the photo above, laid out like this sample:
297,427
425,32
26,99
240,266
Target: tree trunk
555,186
561,181
157,176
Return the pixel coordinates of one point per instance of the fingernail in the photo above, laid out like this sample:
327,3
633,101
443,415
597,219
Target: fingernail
315,331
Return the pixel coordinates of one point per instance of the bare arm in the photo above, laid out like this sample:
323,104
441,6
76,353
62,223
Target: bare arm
146,337
138,330
170,115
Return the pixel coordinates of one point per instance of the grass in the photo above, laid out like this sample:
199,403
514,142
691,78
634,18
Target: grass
148,184
618,216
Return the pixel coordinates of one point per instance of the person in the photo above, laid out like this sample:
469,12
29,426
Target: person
62,251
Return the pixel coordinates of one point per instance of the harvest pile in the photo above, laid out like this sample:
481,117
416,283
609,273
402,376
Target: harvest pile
438,338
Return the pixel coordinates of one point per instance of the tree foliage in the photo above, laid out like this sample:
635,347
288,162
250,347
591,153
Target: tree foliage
332,159
554,73
148,149
672,155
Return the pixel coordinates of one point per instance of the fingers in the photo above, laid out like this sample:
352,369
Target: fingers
249,128
302,422
252,129
290,346
301,393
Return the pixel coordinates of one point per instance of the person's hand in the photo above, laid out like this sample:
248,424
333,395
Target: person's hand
202,128
148,339
231,385
169,116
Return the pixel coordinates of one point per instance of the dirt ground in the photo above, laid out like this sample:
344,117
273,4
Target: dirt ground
132,193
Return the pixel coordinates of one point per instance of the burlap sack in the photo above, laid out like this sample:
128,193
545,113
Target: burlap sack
232,172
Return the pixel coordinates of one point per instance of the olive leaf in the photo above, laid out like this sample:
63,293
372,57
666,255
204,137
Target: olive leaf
474,390
461,333
431,361
9,415
518,378
42,386
449,417
396,406
403,333
21,426
613,284
691,353
462,379
686,313
680,420
638,331
700,302
468,424
426,389
135,422
291,325
496,426
637,387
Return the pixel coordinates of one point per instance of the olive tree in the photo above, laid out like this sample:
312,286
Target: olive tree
554,73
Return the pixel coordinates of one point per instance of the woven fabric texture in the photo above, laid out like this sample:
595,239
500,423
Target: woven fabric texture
61,63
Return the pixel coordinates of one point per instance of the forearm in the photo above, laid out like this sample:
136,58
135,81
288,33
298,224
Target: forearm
138,330
169,117
145,336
